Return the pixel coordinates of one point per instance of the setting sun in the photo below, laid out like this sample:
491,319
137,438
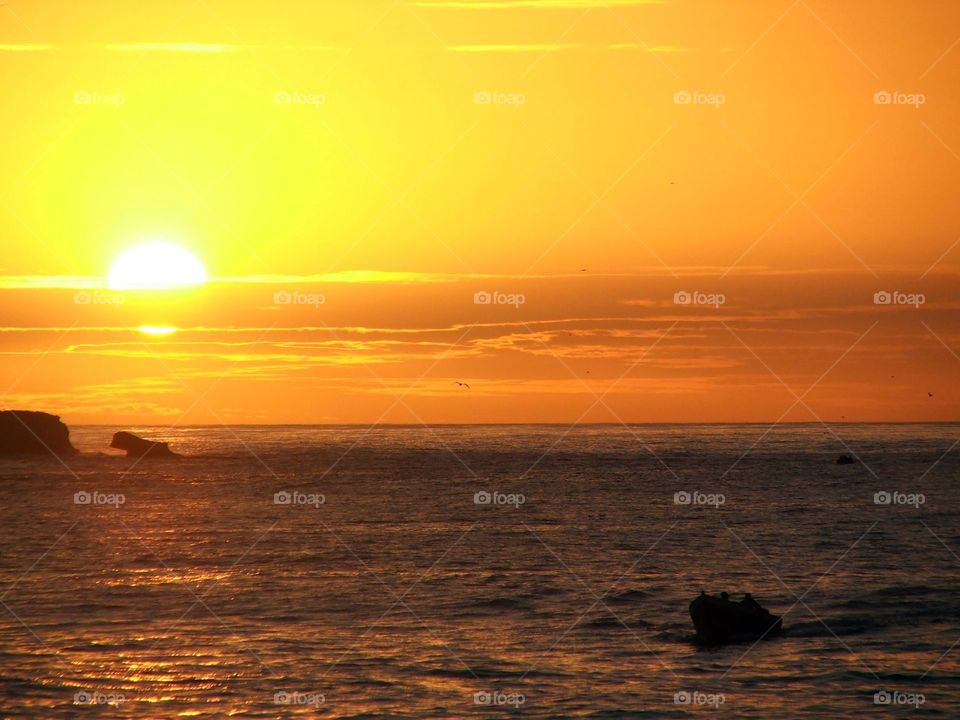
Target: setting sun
156,266
157,330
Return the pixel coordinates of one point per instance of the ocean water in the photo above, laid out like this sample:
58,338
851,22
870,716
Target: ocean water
445,572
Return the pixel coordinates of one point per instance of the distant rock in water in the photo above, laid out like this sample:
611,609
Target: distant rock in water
138,447
37,433
846,460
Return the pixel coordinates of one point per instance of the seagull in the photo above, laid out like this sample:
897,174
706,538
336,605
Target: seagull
929,394
457,382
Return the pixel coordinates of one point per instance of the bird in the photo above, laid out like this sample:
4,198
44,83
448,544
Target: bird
583,269
457,382
929,394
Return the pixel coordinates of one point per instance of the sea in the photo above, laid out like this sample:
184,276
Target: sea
534,571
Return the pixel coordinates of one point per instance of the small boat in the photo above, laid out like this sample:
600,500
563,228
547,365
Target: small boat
720,620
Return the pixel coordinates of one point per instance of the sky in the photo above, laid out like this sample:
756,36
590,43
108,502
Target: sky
584,210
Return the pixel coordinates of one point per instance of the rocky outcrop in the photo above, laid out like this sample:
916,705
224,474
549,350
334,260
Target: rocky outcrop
35,433
138,447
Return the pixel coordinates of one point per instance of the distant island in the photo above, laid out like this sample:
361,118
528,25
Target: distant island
28,432
34,433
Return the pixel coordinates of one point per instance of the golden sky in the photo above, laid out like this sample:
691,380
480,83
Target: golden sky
353,174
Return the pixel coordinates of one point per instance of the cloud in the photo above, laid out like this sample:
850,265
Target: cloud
535,4
174,47
648,48
191,48
567,46
24,47
205,48
511,48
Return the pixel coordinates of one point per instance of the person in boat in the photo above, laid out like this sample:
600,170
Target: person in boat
749,602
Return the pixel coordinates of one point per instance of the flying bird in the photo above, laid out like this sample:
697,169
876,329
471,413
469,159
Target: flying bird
929,394
456,382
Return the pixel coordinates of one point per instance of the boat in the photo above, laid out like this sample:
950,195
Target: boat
720,620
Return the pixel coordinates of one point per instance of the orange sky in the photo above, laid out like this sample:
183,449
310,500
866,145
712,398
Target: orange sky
393,159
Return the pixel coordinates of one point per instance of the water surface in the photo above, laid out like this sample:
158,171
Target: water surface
193,588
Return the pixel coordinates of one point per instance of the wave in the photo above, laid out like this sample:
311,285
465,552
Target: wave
615,621
627,596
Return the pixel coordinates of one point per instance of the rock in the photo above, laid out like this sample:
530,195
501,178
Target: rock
720,620
846,460
138,447
36,433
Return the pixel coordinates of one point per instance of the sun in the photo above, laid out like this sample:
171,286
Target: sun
156,266
157,330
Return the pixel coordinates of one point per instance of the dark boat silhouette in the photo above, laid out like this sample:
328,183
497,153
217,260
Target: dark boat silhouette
720,620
